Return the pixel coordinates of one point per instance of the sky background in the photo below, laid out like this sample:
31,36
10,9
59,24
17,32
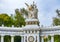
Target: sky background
47,8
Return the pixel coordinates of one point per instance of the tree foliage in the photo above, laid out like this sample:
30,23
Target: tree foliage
56,21
5,19
7,38
17,39
19,20
57,38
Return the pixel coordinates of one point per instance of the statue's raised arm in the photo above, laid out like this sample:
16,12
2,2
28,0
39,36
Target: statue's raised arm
26,4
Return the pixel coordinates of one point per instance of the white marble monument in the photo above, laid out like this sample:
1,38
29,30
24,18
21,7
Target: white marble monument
32,31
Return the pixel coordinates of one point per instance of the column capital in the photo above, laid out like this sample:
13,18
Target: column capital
52,35
13,35
42,35
2,35
12,38
22,36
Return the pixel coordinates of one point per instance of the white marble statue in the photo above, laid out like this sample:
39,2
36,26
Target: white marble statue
32,10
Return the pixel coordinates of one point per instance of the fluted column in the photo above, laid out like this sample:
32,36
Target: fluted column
52,38
2,38
42,39
12,38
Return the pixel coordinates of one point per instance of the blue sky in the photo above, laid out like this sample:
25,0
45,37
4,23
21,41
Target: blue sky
46,8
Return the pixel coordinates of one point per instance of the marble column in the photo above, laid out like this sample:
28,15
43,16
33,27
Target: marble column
25,38
22,38
52,38
2,38
12,38
38,38
42,38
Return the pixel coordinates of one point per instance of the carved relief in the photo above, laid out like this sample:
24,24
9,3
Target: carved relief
30,38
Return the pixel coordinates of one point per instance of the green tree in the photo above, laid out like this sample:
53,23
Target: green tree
7,38
19,20
57,38
5,19
9,21
56,21
17,39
